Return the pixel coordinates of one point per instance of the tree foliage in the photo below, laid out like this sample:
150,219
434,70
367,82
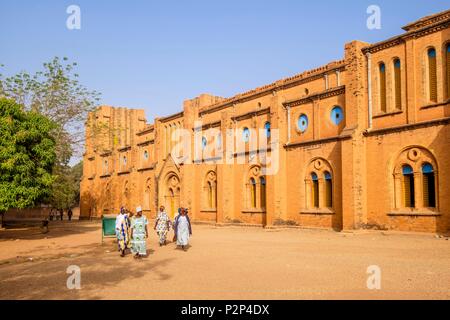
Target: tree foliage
56,93
27,156
66,188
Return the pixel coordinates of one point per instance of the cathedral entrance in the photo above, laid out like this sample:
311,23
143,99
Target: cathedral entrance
172,195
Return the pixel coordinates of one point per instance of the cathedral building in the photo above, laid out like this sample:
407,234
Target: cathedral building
359,143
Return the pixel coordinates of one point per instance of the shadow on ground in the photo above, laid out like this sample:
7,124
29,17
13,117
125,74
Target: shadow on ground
45,277
56,230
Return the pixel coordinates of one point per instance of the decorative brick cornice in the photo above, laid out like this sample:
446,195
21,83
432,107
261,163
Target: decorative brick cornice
149,129
208,126
286,83
316,96
429,20
416,30
251,114
172,117
125,148
406,127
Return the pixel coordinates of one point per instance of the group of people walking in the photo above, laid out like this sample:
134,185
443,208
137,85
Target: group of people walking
132,230
58,214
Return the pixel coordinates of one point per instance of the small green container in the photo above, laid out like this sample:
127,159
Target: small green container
108,226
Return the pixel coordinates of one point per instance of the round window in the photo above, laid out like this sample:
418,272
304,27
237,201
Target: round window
303,123
337,115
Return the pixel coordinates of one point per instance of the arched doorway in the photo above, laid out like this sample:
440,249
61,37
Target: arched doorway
172,195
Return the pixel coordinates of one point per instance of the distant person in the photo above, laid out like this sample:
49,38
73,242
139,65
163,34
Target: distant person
52,214
69,214
61,213
182,228
122,231
162,225
139,234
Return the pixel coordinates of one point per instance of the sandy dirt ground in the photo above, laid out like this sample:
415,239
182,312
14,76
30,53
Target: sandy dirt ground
224,263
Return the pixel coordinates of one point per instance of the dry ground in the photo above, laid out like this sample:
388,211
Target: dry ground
224,263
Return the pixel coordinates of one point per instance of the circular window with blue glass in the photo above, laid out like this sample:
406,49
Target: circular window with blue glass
337,115
303,123
246,135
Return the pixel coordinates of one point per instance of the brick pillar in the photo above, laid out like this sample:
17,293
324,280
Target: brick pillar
353,166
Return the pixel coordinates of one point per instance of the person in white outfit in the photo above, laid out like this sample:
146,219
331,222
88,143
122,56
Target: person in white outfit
182,228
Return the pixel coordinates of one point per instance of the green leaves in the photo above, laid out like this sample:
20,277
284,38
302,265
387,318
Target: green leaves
27,156
56,93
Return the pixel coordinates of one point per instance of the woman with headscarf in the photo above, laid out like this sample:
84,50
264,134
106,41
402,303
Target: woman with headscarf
122,231
139,234
182,228
162,225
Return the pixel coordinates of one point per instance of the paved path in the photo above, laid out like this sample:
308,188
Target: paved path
224,263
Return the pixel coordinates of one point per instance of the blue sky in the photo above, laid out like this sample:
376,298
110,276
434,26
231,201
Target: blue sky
155,54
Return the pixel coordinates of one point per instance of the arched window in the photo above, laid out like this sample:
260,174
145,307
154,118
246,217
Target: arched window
210,195
253,192
105,166
432,75
398,84
447,54
328,190
204,143
302,123
383,101
408,187
267,129
337,115
219,141
262,182
429,185
210,191
315,190
246,135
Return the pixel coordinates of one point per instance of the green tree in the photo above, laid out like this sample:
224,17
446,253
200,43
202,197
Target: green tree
27,156
56,93
66,188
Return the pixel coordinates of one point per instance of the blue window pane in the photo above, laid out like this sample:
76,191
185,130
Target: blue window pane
432,53
303,123
427,168
267,128
252,181
327,176
314,176
204,143
397,63
448,48
263,181
382,67
246,135
219,140
337,115
407,170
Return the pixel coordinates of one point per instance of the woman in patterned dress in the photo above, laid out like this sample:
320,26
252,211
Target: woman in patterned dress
162,226
122,231
139,234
